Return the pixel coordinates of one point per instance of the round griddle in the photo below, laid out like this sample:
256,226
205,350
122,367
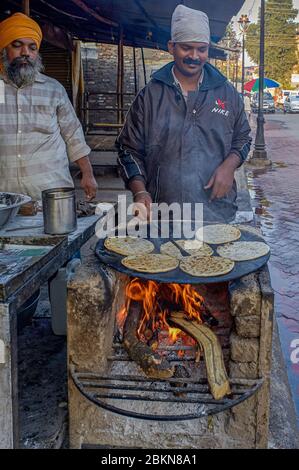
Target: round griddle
177,276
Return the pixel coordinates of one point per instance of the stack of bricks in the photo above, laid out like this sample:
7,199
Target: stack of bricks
251,305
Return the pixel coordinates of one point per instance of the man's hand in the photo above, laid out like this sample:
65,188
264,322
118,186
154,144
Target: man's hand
142,199
222,180
89,184
142,205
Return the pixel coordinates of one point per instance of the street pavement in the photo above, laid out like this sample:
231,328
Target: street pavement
275,198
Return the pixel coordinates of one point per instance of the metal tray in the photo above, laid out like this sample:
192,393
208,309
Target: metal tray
177,276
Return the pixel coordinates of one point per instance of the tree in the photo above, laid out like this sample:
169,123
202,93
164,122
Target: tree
280,41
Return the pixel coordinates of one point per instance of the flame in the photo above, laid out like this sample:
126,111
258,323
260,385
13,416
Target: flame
158,300
121,317
174,333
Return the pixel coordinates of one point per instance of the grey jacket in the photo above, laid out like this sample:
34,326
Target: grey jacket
177,146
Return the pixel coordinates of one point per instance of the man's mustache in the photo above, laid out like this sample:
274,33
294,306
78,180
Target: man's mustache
18,61
192,62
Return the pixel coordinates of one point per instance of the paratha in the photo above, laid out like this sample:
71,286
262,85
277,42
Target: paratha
150,263
207,266
248,229
220,233
129,245
193,247
243,251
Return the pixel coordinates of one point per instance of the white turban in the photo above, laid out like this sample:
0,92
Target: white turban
188,25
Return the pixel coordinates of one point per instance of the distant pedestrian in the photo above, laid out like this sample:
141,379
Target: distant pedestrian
247,106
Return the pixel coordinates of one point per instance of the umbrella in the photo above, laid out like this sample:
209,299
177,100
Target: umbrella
253,85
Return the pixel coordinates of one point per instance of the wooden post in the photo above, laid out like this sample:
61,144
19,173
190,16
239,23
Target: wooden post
26,7
9,436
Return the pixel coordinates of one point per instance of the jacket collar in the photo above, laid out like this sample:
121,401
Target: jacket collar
212,77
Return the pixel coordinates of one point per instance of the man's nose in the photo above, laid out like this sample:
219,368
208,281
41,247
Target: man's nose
194,54
25,51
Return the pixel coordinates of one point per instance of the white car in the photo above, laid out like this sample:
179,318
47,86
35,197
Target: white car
291,104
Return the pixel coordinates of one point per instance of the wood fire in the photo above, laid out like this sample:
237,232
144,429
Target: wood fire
151,309
158,300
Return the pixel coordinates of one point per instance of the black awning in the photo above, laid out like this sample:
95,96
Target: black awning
144,23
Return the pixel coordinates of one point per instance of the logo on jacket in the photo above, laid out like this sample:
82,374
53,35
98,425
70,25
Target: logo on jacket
220,107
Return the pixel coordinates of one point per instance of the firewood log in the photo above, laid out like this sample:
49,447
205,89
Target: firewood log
217,376
150,362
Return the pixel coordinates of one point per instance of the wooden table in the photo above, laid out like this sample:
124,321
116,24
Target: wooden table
15,288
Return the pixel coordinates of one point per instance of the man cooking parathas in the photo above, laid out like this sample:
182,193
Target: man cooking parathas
186,133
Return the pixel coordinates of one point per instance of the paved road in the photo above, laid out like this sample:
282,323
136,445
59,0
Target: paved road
275,194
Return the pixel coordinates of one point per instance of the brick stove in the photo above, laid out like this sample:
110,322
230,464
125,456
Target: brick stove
244,311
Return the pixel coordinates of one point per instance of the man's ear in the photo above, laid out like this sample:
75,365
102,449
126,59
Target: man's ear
170,46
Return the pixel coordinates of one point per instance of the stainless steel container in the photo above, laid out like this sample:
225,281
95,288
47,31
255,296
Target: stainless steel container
59,209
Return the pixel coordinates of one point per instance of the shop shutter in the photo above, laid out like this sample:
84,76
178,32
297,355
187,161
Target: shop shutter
58,65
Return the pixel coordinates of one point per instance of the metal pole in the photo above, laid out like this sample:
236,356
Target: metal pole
228,66
120,78
135,72
259,153
243,62
143,64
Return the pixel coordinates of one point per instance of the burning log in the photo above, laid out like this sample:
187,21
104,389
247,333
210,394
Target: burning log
217,376
151,363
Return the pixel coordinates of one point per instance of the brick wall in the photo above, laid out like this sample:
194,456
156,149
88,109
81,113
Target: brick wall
100,73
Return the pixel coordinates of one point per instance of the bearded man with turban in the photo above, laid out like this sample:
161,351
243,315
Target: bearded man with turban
186,132
39,130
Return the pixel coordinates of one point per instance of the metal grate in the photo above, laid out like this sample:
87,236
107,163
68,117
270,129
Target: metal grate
120,393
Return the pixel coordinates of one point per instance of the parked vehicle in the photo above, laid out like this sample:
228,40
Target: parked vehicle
268,103
291,104
284,94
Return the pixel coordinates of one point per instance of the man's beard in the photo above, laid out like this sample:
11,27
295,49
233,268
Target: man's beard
22,71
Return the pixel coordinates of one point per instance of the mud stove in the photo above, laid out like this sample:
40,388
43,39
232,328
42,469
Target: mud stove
140,378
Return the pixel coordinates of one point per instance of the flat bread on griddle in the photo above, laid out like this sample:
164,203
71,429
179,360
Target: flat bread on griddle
193,247
243,251
129,245
150,263
220,233
207,266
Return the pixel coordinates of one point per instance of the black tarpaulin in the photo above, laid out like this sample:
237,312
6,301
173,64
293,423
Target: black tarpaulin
143,23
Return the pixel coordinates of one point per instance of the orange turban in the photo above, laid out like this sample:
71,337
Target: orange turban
19,26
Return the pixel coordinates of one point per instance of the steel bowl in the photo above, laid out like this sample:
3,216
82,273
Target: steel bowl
9,206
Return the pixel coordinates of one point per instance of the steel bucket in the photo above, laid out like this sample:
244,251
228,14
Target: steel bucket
59,210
